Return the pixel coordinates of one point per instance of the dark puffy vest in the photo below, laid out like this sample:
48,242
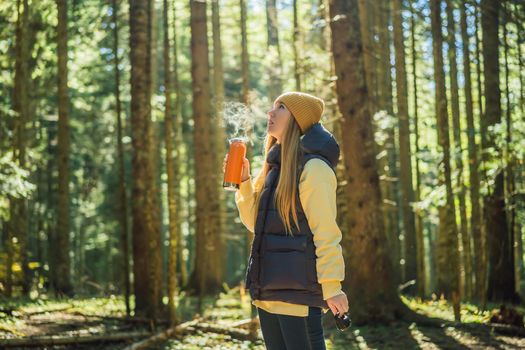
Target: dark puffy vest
283,267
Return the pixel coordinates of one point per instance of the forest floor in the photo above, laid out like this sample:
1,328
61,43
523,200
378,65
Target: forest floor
105,316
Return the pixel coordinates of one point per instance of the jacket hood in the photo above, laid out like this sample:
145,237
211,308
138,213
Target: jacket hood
320,141
316,140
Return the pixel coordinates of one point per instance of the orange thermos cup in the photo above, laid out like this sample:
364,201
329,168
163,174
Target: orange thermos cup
233,169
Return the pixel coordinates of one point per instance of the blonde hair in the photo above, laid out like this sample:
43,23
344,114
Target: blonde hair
286,191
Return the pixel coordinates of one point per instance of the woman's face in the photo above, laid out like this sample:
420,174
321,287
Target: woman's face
278,118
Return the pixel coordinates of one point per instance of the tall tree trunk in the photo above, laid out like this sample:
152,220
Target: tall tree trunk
331,104
519,203
179,142
64,285
483,254
447,254
457,149
274,51
501,258
144,206
219,133
205,172
419,219
18,227
509,156
378,72
373,282
405,164
475,217
123,201
155,241
170,171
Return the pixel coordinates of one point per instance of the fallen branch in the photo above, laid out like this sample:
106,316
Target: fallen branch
233,332
241,323
162,336
188,328
57,340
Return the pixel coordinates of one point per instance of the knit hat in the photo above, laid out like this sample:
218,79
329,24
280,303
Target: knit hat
306,109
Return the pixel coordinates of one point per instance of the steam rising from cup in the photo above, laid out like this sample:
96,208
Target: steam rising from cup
239,120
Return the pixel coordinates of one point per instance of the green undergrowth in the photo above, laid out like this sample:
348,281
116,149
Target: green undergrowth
16,316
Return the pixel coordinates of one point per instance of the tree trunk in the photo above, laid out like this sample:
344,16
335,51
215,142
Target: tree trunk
63,263
475,216
18,226
457,150
123,201
405,164
510,158
155,241
483,263
205,180
371,280
420,240
274,51
144,175
170,171
179,142
217,126
447,254
501,286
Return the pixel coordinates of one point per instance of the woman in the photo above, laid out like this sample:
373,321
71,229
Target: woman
296,264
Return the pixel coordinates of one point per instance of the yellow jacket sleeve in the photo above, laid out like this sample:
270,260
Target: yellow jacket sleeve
244,199
317,191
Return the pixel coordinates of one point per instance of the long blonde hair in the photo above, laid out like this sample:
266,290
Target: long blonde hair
286,191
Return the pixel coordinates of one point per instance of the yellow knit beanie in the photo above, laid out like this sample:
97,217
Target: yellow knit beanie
306,109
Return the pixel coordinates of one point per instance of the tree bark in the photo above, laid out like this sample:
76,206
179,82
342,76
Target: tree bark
457,150
405,164
170,171
219,133
482,290
371,282
501,286
144,176
418,217
205,180
509,155
179,142
18,225
475,216
123,201
63,262
274,51
447,254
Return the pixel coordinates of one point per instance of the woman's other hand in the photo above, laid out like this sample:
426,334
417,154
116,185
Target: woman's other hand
245,168
338,303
